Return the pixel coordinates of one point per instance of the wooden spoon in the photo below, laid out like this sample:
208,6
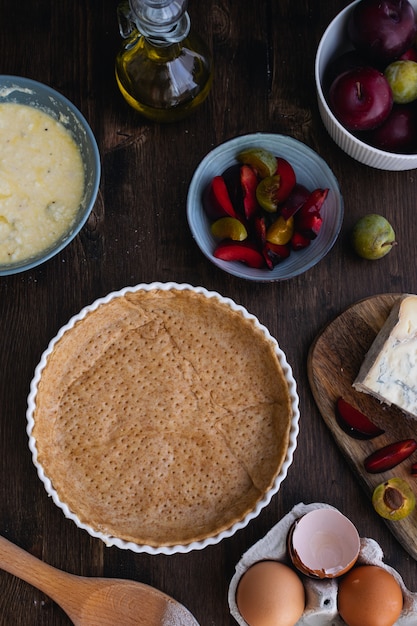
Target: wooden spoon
96,601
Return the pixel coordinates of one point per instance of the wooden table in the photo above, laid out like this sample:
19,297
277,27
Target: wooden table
264,56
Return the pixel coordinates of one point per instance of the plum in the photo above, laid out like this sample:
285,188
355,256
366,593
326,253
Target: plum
410,54
281,231
275,253
249,183
262,161
242,251
231,177
402,78
267,193
216,199
394,499
398,133
361,98
299,241
295,200
287,179
372,237
229,228
382,30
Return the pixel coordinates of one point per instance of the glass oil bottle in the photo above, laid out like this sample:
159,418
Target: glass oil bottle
163,70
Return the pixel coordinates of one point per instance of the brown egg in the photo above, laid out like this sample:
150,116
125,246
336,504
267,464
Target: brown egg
369,596
270,593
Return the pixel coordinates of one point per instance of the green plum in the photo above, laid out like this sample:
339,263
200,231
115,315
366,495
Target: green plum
402,78
373,237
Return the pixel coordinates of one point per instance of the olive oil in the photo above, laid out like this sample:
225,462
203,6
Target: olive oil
163,70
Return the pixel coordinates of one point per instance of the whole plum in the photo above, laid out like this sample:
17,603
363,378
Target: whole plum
361,98
399,131
402,78
382,30
372,237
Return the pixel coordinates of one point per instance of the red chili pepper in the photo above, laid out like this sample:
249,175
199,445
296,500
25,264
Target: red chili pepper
354,422
389,456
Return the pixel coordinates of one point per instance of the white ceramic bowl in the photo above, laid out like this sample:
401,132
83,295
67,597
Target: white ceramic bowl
195,545
333,43
310,169
29,92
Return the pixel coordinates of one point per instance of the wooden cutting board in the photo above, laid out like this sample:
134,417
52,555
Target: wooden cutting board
333,362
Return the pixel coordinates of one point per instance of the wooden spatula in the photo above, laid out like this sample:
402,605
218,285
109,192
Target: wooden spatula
96,601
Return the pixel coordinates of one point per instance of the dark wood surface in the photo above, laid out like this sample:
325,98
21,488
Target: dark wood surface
264,56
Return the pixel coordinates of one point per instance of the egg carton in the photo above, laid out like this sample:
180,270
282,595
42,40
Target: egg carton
321,595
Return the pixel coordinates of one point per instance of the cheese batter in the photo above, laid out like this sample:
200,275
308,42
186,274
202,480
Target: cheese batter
41,181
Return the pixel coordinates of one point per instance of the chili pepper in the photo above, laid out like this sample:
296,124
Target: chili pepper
389,456
354,422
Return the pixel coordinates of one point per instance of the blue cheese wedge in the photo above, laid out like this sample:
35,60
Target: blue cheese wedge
389,370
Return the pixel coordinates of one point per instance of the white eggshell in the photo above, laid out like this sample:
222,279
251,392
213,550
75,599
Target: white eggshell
324,543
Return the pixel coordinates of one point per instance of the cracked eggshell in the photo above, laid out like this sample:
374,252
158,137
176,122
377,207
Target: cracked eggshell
321,595
323,543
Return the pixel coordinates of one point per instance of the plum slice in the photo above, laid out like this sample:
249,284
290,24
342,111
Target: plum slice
249,182
263,161
274,253
243,251
295,201
216,200
229,228
308,220
299,242
287,179
390,456
354,422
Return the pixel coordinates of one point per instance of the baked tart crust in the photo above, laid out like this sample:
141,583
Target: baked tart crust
162,417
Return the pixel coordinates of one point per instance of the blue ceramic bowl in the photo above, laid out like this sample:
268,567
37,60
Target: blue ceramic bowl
311,171
29,92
